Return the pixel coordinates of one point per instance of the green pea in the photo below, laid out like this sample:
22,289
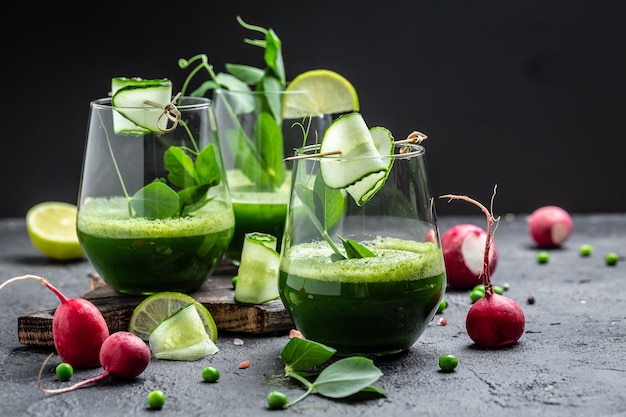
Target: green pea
64,371
476,295
156,399
210,374
447,363
442,306
585,250
498,290
276,400
611,258
543,257
234,281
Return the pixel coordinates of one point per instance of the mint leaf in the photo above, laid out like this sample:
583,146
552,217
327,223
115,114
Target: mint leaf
207,169
155,200
329,203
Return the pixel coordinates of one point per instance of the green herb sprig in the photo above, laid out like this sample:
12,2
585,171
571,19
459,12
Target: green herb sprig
347,377
194,178
259,158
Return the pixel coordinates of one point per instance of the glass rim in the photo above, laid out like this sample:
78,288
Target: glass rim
191,103
225,91
410,150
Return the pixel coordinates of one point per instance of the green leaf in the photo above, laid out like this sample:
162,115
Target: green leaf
274,56
355,249
346,377
207,169
182,171
269,139
245,73
273,102
155,201
302,354
230,82
192,198
329,203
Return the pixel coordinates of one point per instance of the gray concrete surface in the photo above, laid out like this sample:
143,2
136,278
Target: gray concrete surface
571,360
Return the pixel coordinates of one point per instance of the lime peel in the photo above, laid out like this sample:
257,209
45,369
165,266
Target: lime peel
51,227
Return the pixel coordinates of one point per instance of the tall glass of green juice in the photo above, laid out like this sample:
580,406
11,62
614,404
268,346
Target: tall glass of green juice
361,267
154,208
255,140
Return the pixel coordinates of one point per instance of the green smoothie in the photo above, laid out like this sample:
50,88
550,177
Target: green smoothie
255,211
142,256
375,305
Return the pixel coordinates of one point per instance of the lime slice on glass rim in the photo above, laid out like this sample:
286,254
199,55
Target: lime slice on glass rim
367,168
134,116
158,307
328,93
51,227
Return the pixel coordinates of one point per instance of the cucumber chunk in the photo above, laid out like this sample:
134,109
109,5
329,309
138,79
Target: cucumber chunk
257,281
182,337
134,116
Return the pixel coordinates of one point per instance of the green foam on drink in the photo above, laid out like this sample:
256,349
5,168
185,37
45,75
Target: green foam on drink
396,260
109,217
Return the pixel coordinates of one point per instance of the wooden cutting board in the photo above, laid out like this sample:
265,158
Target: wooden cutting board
217,294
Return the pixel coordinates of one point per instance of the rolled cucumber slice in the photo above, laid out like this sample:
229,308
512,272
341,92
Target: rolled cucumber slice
367,169
257,281
349,135
133,115
363,190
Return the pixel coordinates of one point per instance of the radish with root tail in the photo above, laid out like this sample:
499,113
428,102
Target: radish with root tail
494,320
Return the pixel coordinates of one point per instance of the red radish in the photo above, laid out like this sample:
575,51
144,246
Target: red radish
463,246
123,355
494,320
78,327
550,226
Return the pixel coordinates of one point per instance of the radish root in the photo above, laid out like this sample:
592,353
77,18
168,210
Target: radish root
492,225
43,281
66,389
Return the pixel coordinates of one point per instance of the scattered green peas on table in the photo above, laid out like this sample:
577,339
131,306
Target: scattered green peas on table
442,306
156,399
543,257
276,400
476,295
234,281
64,371
585,250
447,363
210,374
611,258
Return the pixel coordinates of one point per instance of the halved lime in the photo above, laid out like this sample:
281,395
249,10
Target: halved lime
182,337
51,226
156,308
134,115
328,93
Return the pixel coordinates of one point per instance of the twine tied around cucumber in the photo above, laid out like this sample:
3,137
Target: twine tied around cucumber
170,111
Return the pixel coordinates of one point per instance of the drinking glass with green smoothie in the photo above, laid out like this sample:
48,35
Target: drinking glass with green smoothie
154,211
361,265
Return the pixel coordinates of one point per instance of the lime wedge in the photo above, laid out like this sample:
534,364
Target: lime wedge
257,280
134,116
51,226
156,308
182,337
328,92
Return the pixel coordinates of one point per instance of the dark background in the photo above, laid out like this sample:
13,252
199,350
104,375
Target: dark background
529,95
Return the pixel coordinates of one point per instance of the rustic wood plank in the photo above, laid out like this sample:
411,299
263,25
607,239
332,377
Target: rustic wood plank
216,294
